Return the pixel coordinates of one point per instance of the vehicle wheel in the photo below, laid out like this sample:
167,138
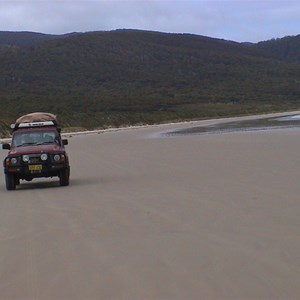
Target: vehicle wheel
10,182
17,181
64,177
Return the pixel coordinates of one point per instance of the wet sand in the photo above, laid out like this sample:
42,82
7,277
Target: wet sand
149,217
241,125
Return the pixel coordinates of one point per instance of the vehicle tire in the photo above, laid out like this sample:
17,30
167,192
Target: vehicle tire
17,181
10,182
64,177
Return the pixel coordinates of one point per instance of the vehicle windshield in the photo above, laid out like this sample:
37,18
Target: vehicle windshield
34,138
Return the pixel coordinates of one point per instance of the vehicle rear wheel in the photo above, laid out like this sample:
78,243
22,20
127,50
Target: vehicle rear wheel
10,182
64,177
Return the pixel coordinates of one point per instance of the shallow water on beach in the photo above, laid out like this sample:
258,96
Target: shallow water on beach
284,122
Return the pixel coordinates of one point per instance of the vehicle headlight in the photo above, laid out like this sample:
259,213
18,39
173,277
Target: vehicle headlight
56,157
14,161
44,157
25,158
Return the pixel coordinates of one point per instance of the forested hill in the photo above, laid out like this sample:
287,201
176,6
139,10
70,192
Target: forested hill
27,38
98,79
287,48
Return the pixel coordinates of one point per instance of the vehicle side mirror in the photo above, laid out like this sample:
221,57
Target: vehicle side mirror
65,142
6,146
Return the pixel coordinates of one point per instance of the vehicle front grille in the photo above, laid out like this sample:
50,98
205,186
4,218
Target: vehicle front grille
34,158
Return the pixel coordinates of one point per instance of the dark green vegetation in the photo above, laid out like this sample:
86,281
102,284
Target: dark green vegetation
101,79
25,38
287,48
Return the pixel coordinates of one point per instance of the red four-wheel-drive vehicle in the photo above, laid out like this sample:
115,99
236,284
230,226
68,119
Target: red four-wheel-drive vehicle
36,150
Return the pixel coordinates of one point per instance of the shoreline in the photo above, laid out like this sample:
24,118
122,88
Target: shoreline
179,123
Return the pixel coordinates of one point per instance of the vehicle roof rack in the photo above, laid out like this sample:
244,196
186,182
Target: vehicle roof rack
27,125
34,120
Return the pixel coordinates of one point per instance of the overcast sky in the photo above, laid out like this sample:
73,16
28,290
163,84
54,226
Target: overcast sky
240,20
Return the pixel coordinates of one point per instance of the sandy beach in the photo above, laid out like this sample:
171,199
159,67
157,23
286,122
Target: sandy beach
150,217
